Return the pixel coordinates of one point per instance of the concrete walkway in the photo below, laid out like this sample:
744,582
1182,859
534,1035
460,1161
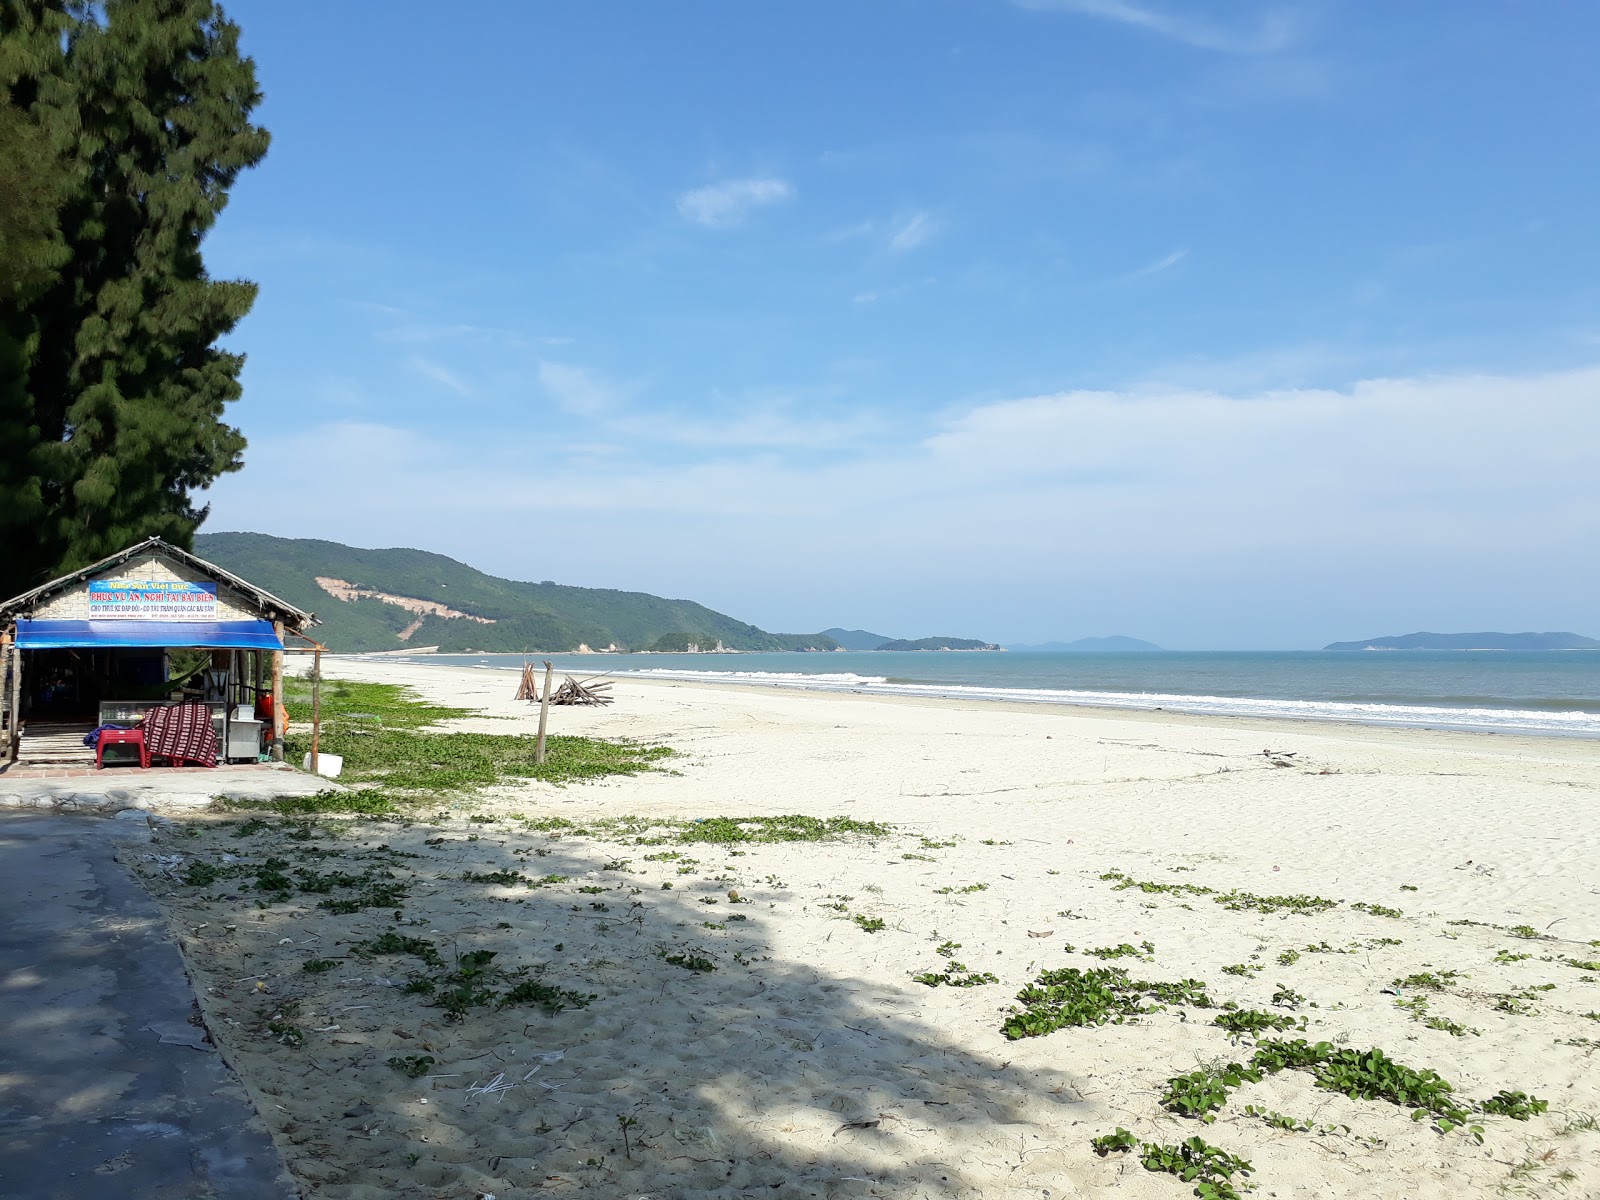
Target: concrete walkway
159,788
106,1089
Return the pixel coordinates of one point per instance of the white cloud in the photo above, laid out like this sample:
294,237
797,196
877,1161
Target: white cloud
1285,515
577,390
1161,264
723,205
1273,32
441,375
914,231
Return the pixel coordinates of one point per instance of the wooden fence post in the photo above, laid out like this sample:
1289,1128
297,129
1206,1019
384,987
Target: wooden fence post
279,725
544,711
316,705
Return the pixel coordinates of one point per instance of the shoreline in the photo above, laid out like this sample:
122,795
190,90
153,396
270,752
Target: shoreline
1026,698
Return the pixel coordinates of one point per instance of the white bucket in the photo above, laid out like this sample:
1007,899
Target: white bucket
328,765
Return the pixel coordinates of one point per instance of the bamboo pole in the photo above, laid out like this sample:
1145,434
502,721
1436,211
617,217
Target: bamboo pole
316,705
544,711
278,723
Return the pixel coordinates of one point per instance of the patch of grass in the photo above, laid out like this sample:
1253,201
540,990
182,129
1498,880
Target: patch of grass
1068,997
390,942
401,752
1243,970
868,924
1524,931
316,966
1428,981
503,878
1300,905
1200,1094
1288,958
1123,950
689,961
1377,910
548,998
1150,888
1519,1106
791,828
956,975
1506,956
1254,1021
969,890
1208,1167
1418,1009
413,1066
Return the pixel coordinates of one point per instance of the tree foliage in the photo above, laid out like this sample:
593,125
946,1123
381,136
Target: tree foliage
112,384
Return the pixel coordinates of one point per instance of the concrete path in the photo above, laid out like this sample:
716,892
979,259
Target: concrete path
160,789
101,1093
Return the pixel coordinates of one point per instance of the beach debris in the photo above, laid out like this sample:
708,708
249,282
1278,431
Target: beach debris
180,1033
1040,933
587,691
496,1087
528,686
873,1124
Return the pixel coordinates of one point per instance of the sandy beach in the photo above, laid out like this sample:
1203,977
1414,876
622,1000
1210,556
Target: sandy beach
755,1027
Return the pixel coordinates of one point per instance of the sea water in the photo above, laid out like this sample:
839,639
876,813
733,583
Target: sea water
1550,692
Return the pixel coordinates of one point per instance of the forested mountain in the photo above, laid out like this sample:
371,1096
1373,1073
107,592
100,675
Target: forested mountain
391,599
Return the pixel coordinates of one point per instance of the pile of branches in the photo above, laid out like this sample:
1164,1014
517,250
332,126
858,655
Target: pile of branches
587,691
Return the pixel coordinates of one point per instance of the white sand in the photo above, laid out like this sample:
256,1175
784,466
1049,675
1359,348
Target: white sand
741,1079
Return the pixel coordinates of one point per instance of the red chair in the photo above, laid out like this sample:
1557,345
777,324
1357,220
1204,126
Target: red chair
120,737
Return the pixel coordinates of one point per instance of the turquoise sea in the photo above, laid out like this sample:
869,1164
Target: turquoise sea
1535,692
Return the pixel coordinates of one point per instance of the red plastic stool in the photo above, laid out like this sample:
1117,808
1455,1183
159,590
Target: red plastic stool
120,737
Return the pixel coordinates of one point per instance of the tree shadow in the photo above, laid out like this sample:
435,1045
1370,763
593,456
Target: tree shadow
773,1072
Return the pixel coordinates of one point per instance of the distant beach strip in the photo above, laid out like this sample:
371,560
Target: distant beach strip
1501,697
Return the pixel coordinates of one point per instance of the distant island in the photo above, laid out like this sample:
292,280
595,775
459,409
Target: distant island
939,643
860,639
1091,645
857,639
1472,641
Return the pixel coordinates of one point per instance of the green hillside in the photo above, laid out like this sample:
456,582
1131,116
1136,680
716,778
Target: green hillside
526,616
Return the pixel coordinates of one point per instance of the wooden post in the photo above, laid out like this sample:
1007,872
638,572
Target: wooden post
544,711
316,705
14,733
279,725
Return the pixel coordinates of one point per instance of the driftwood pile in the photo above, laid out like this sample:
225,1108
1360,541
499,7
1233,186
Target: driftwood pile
528,689
571,691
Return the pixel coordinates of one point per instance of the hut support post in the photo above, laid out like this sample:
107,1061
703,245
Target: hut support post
316,705
278,723
14,731
544,711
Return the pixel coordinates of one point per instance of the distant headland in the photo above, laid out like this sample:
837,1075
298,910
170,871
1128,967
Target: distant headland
1472,641
1116,644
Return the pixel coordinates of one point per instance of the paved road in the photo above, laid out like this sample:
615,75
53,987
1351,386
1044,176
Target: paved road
93,1104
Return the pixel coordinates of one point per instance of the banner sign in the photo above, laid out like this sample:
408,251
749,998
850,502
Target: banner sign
151,600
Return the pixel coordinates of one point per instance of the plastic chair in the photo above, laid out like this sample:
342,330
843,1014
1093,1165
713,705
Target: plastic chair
120,737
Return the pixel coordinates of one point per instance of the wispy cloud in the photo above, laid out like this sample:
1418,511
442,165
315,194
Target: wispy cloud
1160,265
916,230
1272,32
723,205
441,375
577,390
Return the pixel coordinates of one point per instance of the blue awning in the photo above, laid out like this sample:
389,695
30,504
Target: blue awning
241,635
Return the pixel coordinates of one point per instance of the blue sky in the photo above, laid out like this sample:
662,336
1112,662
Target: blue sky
1225,325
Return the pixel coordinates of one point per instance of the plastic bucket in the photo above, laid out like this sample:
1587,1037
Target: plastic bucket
328,765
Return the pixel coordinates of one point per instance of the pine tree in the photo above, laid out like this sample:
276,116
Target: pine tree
147,103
